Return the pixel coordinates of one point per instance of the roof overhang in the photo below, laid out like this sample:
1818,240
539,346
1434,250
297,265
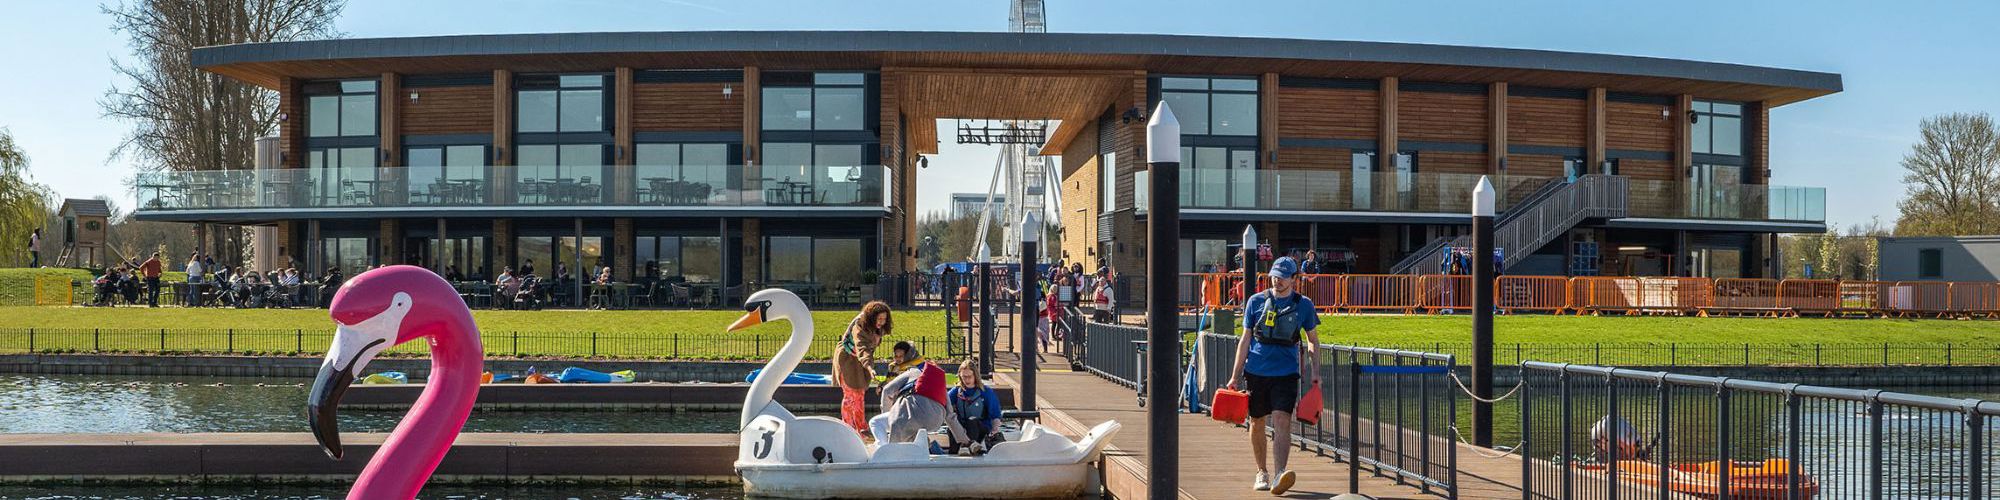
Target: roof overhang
265,64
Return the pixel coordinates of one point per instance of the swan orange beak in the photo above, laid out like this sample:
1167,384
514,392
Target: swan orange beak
754,317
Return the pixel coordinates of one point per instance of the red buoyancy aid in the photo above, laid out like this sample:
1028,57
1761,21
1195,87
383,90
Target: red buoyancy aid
931,383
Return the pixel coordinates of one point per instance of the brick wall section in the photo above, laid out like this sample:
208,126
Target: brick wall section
1545,121
449,110
389,242
1327,114
1129,140
1081,181
623,249
503,245
686,107
1760,144
752,258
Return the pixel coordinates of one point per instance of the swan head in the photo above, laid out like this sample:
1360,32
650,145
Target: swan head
772,305
372,312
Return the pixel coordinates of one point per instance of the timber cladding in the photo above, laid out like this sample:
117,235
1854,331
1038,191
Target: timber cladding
1441,117
1639,127
1534,165
1328,113
447,110
1451,162
1301,158
1545,121
687,107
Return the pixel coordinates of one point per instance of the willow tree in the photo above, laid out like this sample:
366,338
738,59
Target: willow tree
24,204
184,118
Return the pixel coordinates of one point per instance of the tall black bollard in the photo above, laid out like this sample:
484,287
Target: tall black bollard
1031,229
1482,312
1163,237
985,318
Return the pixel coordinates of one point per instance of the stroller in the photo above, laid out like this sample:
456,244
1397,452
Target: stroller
529,295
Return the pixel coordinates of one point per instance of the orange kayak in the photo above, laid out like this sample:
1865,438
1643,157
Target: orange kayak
1747,480
537,378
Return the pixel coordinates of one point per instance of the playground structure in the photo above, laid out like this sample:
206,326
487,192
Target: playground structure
1599,295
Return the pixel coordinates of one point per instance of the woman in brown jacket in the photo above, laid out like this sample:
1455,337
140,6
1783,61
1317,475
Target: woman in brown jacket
854,362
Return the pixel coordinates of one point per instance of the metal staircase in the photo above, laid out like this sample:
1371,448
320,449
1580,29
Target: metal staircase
1540,218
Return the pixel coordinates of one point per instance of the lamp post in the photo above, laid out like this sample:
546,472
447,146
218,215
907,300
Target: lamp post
1031,229
1482,312
1163,235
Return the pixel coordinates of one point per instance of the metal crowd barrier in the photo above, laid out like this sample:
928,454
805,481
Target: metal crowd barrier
1392,411
1600,433
1107,352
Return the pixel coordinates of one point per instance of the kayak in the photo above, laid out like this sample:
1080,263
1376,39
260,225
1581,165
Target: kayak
386,378
490,377
795,378
1747,480
574,375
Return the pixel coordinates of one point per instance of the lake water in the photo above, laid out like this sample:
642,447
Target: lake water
166,492
113,404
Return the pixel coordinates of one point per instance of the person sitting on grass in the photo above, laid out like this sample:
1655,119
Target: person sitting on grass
976,407
914,401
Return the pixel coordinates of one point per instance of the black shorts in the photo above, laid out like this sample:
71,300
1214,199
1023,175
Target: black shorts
1268,394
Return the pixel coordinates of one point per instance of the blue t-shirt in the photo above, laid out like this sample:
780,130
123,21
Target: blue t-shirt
1276,360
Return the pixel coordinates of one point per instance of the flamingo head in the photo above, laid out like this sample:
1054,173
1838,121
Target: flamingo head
772,305
372,312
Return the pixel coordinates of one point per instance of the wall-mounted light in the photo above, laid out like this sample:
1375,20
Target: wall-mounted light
1666,113
1693,117
414,96
923,162
1132,114
1631,249
728,91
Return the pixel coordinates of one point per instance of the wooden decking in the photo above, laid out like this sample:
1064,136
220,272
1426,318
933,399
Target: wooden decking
1215,457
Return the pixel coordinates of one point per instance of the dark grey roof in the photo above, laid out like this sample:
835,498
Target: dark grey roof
87,206
992,42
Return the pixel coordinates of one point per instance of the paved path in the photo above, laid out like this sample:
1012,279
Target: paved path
1215,457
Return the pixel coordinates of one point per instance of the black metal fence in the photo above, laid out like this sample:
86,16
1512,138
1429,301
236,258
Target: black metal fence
283,342
1733,354
1602,433
1393,410
1111,351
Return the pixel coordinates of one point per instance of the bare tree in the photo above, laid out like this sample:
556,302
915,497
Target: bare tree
1952,178
184,118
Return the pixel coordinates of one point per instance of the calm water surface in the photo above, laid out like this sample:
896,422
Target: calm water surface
111,404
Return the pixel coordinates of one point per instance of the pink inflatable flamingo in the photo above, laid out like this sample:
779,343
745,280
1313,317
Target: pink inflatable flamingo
377,310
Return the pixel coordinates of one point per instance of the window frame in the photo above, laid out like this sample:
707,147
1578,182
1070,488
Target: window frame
1705,117
1930,263
341,91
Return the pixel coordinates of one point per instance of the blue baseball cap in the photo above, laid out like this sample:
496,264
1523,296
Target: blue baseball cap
1284,268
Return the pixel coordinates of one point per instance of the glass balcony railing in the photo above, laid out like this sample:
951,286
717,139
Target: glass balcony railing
500,186
1425,192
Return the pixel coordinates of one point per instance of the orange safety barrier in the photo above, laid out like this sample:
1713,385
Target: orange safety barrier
1379,292
1975,299
1639,295
1920,298
1746,294
1866,298
1323,289
1442,293
1531,293
1806,296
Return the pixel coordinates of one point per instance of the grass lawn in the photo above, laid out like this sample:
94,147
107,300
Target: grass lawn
17,285
569,333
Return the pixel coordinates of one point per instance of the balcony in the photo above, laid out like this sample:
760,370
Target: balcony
1446,193
514,187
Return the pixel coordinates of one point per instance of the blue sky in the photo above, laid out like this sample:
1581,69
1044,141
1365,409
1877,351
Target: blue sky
1900,61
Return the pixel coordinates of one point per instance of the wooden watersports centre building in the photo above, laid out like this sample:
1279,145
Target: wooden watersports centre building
760,157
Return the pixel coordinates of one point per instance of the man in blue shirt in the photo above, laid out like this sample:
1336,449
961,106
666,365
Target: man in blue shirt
1277,323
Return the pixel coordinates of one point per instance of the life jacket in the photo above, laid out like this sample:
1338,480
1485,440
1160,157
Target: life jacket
970,404
1277,327
931,384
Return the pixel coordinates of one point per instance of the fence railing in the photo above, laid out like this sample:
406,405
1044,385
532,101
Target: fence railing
1110,352
1395,409
307,342
1407,293
1715,354
1602,433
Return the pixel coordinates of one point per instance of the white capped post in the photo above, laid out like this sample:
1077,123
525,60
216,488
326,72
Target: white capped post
1031,228
1163,136
1483,198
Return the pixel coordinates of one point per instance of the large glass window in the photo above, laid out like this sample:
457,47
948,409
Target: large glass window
788,259
1218,177
545,253
351,255
1212,106
446,175
343,176
340,109
682,174
833,263
1717,128
1107,178
799,173
466,254
1204,256
561,174
834,101
691,259
1930,263
564,103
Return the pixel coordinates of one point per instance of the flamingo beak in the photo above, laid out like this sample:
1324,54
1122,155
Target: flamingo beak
353,347
754,317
